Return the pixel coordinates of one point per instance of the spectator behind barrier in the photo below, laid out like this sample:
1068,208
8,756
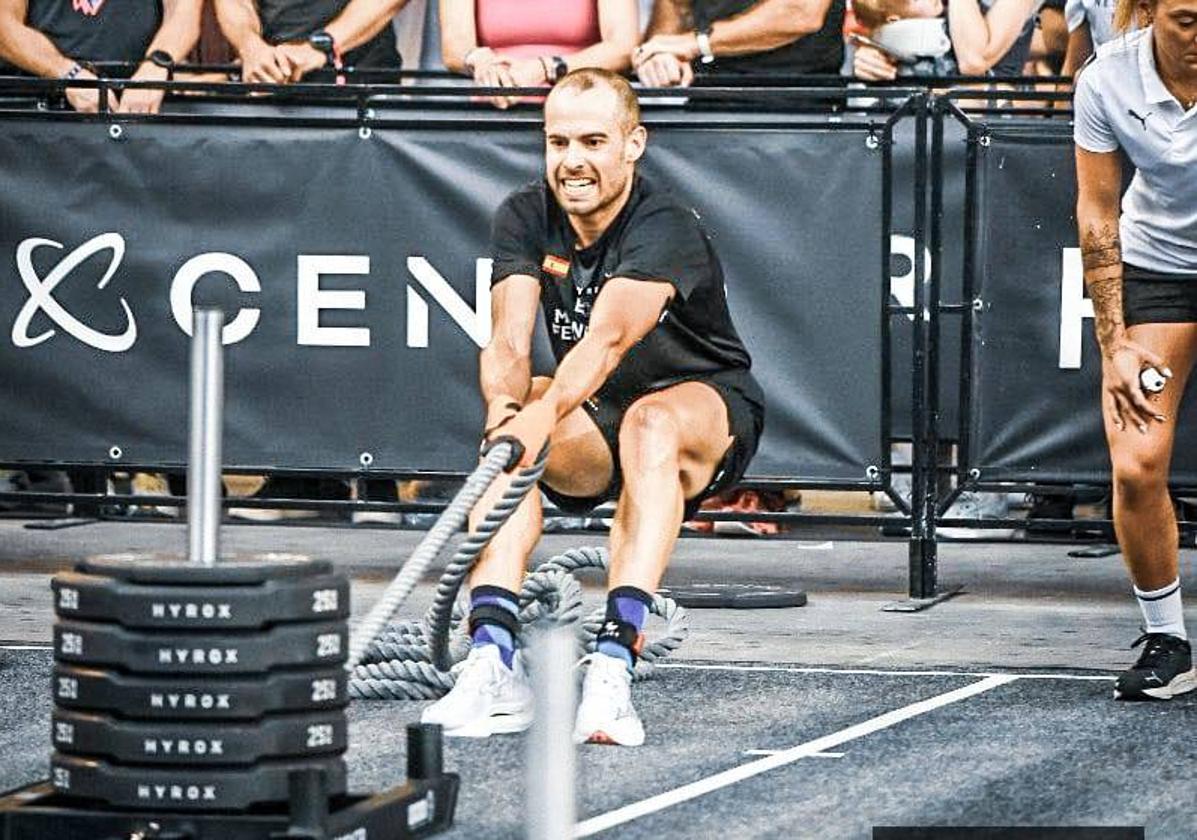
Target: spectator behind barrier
1090,24
529,43
281,41
988,37
57,39
748,37
914,33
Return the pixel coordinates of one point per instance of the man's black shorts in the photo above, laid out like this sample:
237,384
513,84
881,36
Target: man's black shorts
746,418
1152,298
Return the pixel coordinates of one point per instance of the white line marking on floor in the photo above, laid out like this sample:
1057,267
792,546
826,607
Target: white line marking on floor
775,752
26,647
794,669
644,807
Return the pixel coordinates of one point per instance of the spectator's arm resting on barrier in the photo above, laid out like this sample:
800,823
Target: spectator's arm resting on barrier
624,313
871,64
764,26
460,53
260,62
25,47
177,36
505,364
980,39
357,24
665,69
619,29
1099,190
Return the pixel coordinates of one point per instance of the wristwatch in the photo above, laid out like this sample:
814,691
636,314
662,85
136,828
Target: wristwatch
322,41
703,37
163,59
560,68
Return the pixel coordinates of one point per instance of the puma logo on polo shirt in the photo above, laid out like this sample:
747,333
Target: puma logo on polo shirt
1143,119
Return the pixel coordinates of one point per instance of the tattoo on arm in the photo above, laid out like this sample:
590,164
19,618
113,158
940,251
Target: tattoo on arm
1101,256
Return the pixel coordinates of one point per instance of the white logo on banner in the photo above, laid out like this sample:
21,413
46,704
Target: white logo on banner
41,294
475,322
310,298
1074,308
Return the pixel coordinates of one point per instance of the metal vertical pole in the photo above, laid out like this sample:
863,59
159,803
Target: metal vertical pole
923,499
549,785
207,417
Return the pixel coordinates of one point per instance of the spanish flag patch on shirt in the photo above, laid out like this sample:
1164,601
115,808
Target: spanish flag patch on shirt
557,266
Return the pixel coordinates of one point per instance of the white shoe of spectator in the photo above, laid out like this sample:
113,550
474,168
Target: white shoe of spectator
974,505
488,698
377,517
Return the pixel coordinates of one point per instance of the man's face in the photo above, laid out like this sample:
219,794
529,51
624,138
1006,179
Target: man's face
589,154
1176,36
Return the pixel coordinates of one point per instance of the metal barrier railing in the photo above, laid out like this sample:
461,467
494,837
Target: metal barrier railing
880,107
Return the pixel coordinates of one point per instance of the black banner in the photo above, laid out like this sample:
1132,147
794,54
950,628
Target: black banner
1036,372
352,268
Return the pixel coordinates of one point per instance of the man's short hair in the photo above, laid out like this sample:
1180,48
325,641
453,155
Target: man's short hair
588,78
873,14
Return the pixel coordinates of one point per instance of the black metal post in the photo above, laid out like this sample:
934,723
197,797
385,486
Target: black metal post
922,555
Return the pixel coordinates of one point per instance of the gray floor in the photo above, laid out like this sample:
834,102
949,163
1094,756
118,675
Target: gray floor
1046,748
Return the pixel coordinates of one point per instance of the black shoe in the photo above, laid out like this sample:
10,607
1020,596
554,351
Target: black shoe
1164,670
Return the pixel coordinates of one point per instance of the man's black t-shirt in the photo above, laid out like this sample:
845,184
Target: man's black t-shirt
97,30
654,239
295,20
820,52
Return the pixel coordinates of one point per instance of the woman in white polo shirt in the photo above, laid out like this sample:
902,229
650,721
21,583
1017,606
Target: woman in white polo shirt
1140,96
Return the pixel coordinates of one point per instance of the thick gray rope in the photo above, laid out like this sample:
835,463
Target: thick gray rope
441,614
438,536
397,665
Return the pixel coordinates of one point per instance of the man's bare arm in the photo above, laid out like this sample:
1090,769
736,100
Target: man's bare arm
180,29
25,47
361,20
768,25
624,313
1099,182
505,364
670,17
764,26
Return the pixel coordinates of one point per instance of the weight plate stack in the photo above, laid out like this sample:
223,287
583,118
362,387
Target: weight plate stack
183,686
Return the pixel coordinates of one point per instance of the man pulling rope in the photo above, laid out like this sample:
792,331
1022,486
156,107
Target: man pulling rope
651,404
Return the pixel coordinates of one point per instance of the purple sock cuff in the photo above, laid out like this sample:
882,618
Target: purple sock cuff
628,605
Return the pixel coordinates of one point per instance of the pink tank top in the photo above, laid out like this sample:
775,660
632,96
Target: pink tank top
537,27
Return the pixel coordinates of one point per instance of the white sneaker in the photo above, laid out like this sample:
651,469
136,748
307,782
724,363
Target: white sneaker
606,714
488,698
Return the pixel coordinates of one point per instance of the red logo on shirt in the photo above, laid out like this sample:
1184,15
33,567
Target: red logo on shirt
557,266
90,8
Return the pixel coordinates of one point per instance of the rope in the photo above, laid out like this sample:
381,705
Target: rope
438,536
419,660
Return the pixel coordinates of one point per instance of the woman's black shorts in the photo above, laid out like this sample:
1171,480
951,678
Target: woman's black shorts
1149,297
746,417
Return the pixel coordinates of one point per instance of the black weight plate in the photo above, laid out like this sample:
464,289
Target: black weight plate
196,744
200,607
173,698
183,788
285,646
735,596
174,569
